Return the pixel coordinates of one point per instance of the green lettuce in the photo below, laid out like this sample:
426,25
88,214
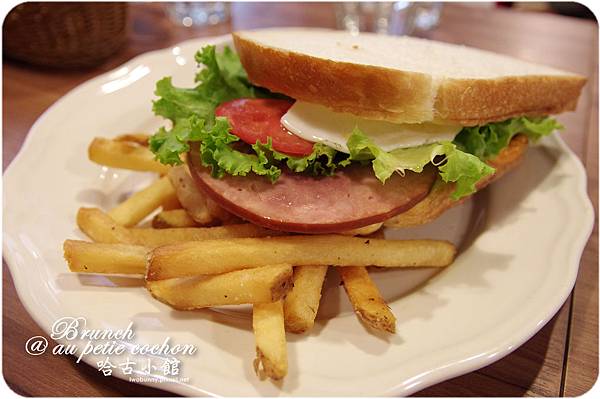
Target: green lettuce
323,160
191,112
453,164
488,140
216,152
223,78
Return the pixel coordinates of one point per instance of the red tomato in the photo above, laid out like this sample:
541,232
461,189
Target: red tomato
256,119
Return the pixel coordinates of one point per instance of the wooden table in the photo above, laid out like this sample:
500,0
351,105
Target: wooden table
562,359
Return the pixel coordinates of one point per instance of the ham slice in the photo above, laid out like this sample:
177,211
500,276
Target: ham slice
296,202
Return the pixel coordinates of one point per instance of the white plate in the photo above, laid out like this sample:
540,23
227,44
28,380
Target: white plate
521,242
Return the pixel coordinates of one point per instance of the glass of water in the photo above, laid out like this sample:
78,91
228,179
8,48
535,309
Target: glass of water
189,14
399,17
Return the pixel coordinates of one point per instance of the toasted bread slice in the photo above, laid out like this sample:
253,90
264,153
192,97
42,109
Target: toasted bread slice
439,198
402,79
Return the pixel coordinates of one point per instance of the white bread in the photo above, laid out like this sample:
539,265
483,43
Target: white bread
402,79
439,198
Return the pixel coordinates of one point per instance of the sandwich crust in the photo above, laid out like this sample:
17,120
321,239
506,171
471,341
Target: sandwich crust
364,90
472,102
439,199
404,96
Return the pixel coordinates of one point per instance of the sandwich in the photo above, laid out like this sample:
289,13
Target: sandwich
319,131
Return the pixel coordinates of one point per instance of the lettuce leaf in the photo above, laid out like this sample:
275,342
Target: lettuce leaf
488,140
222,79
454,166
168,144
217,153
323,160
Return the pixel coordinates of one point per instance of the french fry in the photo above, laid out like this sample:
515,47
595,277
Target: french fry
141,204
201,208
124,155
366,300
157,237
219,213
363,231
265,284
90,257
191,199
302,302
136,138
173,218
269,334
221,256
102,228
171,203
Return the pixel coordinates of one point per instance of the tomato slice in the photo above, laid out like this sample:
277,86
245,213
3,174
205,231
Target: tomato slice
256,119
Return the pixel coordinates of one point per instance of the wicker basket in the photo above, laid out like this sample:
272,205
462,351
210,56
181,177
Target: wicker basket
65,35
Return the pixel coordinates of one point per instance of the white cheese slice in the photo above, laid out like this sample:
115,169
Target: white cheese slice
318,124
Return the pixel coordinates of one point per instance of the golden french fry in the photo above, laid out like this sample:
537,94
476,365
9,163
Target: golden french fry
302,302
124,155
102,228
366,300
136,138
220,214
158,237
265,284
141,204
221,256
171,203
191,199
201,208
173,218
90,257
269,334
363,231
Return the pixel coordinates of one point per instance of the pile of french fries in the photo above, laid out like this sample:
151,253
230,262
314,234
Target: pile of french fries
197,255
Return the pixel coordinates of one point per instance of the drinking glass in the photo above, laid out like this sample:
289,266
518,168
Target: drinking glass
190,14
399,17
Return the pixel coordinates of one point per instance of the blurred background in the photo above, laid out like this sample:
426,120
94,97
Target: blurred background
75,35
